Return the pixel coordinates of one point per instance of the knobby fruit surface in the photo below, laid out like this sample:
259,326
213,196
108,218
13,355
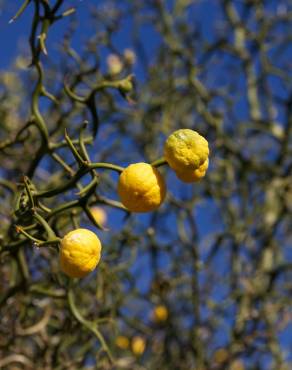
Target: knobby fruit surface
141,187
80,253
186,150
189,176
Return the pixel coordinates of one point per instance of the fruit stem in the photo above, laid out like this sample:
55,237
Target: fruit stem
159,162
46,226
106,165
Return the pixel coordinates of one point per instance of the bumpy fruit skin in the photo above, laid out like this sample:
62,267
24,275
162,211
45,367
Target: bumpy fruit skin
186,150
141,188
189,176
80,253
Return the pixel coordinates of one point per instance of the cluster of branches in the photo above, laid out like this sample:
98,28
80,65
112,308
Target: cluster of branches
215,255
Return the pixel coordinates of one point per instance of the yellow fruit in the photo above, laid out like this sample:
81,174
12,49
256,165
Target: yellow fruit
237,365
122,342
141,188
160,313
185,149
99,215
193,175
80,253
114,64
221,356
138,345
129,56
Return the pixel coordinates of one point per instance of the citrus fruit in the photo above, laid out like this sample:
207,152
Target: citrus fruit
80,252
114,64
221,356
237,365
122,342
193,175
138,345
141,187
160,313
185,149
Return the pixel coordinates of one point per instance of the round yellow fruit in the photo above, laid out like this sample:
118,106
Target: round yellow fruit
114,64
185,149
160,313
138,345
237,365
221,356
80,253
141,188
122,342
193,176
